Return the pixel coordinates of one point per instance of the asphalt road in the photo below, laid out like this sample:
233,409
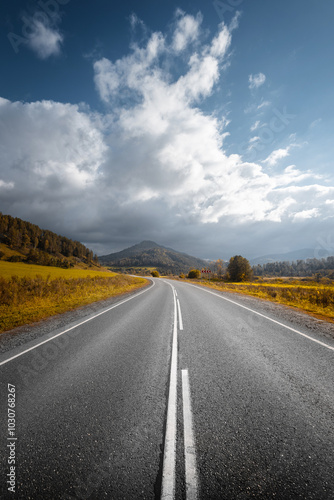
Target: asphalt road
175,392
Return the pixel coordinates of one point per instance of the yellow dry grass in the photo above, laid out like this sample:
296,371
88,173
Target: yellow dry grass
31,293
9,269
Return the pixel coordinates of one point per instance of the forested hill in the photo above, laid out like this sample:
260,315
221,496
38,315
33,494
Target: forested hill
150,254
21,241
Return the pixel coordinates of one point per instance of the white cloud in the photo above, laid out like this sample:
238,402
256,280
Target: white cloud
138,74
6,185
44,39
132,75
51,153
254,139
305,214
153,165
315,123
277,155
255,81
187,30
255,126
221,42
256,107
263,104
106,78
135,21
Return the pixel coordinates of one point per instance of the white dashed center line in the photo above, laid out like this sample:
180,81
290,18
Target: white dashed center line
168,470
189,442
180,315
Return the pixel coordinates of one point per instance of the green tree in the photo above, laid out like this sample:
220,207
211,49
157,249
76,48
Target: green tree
14,237
89,256
25,241
239,269
194,273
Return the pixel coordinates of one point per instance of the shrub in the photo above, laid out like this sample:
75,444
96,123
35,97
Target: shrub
155,274
194,273
15,258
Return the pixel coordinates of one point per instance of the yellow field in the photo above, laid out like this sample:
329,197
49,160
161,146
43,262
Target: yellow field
29,293
310,297
9,269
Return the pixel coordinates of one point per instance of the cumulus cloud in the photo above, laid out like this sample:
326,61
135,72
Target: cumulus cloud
153,165
255,81
51,154
44,39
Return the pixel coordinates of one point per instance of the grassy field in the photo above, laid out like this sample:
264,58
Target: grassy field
9,269
29,293
311,297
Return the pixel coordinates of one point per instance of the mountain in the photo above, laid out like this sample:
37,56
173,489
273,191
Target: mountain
305,253
150,254
130,252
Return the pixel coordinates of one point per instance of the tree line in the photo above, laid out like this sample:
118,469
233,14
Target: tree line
41,246
239,269
310,267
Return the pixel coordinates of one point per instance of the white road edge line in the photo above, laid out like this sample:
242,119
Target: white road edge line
77,325
263,316
189,441
180,315
168,469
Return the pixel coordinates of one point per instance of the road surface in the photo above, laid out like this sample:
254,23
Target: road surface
174,392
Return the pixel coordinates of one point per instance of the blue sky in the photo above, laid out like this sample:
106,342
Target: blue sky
204,126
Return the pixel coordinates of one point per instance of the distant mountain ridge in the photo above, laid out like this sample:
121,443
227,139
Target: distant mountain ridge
303,254
150,254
